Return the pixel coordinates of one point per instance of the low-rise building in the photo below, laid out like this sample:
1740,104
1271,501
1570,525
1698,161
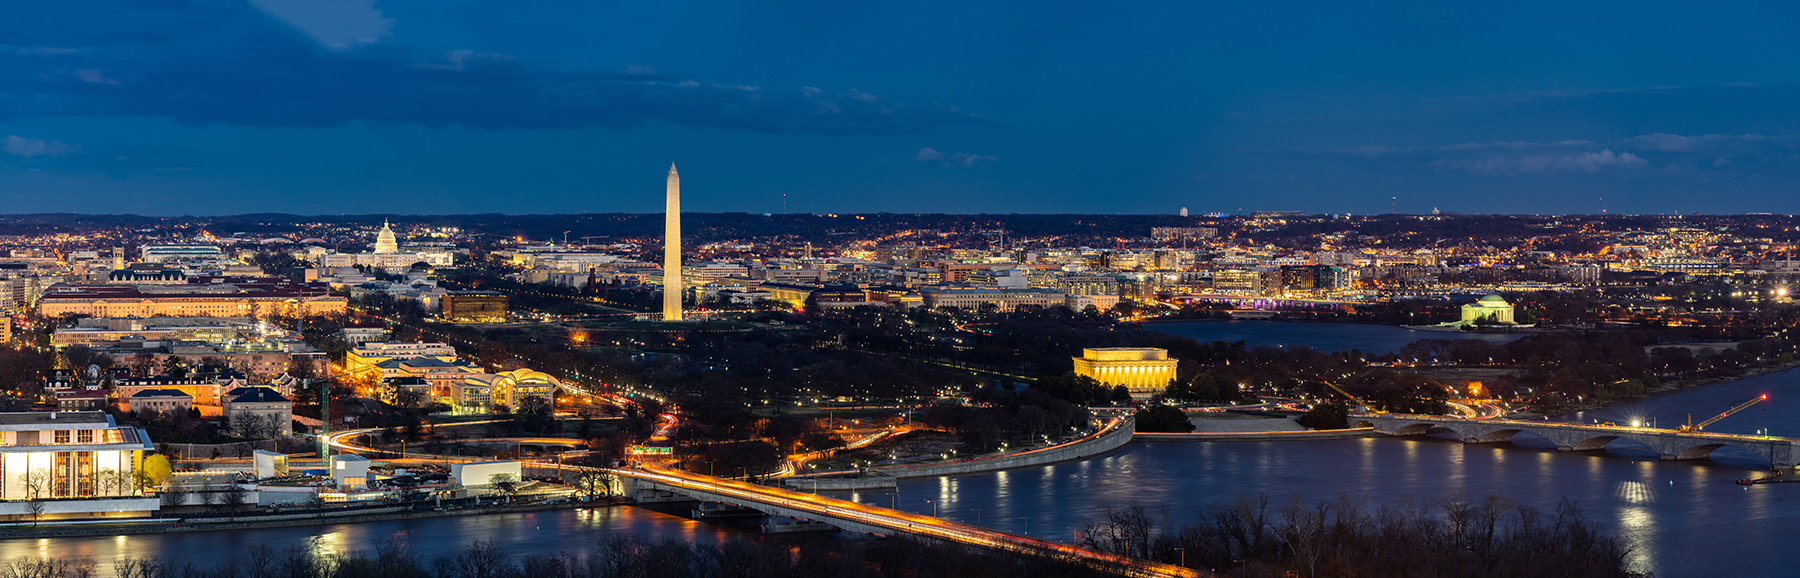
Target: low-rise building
475,306
258,412
369,354
160,401
1004,300
46,455
81,400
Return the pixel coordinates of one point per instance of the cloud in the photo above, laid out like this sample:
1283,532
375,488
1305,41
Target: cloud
1541,164
215,62
24,147
334,24
963,160
1678,153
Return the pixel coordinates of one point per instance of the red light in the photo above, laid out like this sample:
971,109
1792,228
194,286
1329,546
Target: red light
1765,396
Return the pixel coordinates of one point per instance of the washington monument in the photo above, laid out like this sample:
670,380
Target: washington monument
672,250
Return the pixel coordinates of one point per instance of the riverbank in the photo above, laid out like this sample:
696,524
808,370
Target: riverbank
1678,387
178,525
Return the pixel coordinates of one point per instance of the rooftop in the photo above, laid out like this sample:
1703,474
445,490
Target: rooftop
62,419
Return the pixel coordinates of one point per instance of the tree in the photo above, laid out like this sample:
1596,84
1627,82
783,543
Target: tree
508,484
173,366
157,469
1329,415
36,509
172,496
1164,419
235,496
36,483
593,483
142,364
109,482
251,425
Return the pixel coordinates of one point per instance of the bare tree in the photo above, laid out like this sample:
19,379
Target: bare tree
507,483
235,496
594,483
36,483
36,509
172,496
250,425
109,483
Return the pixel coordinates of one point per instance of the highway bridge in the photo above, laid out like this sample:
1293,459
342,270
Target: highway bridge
1574,437
654,483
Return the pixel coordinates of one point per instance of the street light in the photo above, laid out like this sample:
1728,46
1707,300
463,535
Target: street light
933,508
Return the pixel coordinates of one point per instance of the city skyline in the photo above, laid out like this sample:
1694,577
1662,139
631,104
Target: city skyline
395,107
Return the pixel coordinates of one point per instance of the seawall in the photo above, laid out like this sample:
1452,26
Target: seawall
1328,434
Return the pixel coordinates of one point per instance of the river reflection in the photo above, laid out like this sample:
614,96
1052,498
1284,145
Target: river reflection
519,534
1684,518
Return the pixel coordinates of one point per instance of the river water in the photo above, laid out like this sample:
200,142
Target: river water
520,534
1327,337
1683,518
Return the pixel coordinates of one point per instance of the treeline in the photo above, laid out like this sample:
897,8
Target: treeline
624,557
1491,538
1599,365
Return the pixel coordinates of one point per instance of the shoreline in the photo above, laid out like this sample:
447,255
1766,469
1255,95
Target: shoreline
299,520
1690,386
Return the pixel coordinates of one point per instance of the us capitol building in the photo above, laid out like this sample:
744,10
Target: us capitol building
387,255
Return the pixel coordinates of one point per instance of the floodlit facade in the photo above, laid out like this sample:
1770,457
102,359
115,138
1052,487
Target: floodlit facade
1491,309
1145,371
369,354
672,287
80,463
387,255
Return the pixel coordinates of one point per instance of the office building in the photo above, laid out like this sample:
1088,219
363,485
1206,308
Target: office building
474,307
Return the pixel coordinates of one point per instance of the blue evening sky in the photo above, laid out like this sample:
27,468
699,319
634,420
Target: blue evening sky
170,107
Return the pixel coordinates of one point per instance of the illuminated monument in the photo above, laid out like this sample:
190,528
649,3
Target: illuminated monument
672,250
1145,371
386,243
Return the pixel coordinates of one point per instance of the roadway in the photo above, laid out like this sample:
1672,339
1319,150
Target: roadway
823,508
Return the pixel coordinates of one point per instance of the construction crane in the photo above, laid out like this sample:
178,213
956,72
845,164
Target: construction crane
1359,403
1691,426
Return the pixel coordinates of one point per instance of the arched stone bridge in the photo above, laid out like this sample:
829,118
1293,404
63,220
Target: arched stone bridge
1574,437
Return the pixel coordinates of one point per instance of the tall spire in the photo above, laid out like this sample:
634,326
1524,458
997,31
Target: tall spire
672,286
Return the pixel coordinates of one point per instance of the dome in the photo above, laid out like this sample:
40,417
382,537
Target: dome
385,241
1492,299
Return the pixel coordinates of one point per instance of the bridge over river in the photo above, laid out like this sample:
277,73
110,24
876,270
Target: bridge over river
1573,437
650,483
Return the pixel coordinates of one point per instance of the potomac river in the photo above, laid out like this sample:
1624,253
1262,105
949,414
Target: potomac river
1683,518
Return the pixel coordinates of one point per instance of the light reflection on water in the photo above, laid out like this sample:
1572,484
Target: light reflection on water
1671,526
519,534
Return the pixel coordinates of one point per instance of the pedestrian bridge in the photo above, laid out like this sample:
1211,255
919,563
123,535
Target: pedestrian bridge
1574,437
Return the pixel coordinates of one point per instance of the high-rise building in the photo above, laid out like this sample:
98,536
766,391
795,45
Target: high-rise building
672,288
